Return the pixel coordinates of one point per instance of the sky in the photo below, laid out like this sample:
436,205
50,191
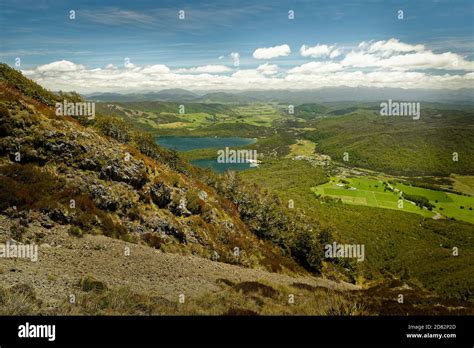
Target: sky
133,46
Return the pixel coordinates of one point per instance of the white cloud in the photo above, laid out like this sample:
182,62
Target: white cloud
210,69
317,51
156,69
380,79
247,74
335,53
129,65
61,66
235,56
391,46
428,60
374,64
360,59
316,68
396,55
272,52
268,69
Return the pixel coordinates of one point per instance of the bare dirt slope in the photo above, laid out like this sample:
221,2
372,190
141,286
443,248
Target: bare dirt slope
64,259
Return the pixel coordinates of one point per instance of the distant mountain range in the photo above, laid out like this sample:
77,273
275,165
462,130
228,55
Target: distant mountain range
361,94
163,95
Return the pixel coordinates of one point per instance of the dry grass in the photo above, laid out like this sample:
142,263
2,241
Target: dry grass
246,298
20,299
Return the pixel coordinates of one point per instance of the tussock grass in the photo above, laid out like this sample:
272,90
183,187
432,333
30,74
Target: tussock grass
19,299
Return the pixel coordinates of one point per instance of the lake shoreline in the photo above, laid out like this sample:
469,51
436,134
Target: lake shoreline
204,150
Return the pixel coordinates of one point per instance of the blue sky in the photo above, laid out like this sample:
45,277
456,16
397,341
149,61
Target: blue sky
150,33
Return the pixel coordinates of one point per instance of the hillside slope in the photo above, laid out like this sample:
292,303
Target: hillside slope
99,177
400,145
126,227
71,174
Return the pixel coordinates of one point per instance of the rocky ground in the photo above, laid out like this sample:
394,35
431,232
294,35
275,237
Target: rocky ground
63,260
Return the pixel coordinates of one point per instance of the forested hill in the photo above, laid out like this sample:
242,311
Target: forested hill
439,143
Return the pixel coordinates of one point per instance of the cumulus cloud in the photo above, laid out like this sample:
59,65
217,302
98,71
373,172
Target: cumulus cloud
335,53
428,60
319,51
268,69
360,59
389,63
380,79
235,56
210,69
129,65
60,66
390,46
156,69
272,52
316,68
395,55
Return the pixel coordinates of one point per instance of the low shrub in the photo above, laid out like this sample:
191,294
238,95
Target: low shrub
114,127
88,283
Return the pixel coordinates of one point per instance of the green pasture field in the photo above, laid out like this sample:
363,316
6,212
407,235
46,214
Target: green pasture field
254,114
448,204
369,192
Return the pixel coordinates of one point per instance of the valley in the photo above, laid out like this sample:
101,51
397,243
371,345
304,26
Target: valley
360,198
205,173
408,219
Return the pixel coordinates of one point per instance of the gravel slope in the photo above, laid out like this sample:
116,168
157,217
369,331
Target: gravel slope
64,259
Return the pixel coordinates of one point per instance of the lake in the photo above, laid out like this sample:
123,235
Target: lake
220,167
194,143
